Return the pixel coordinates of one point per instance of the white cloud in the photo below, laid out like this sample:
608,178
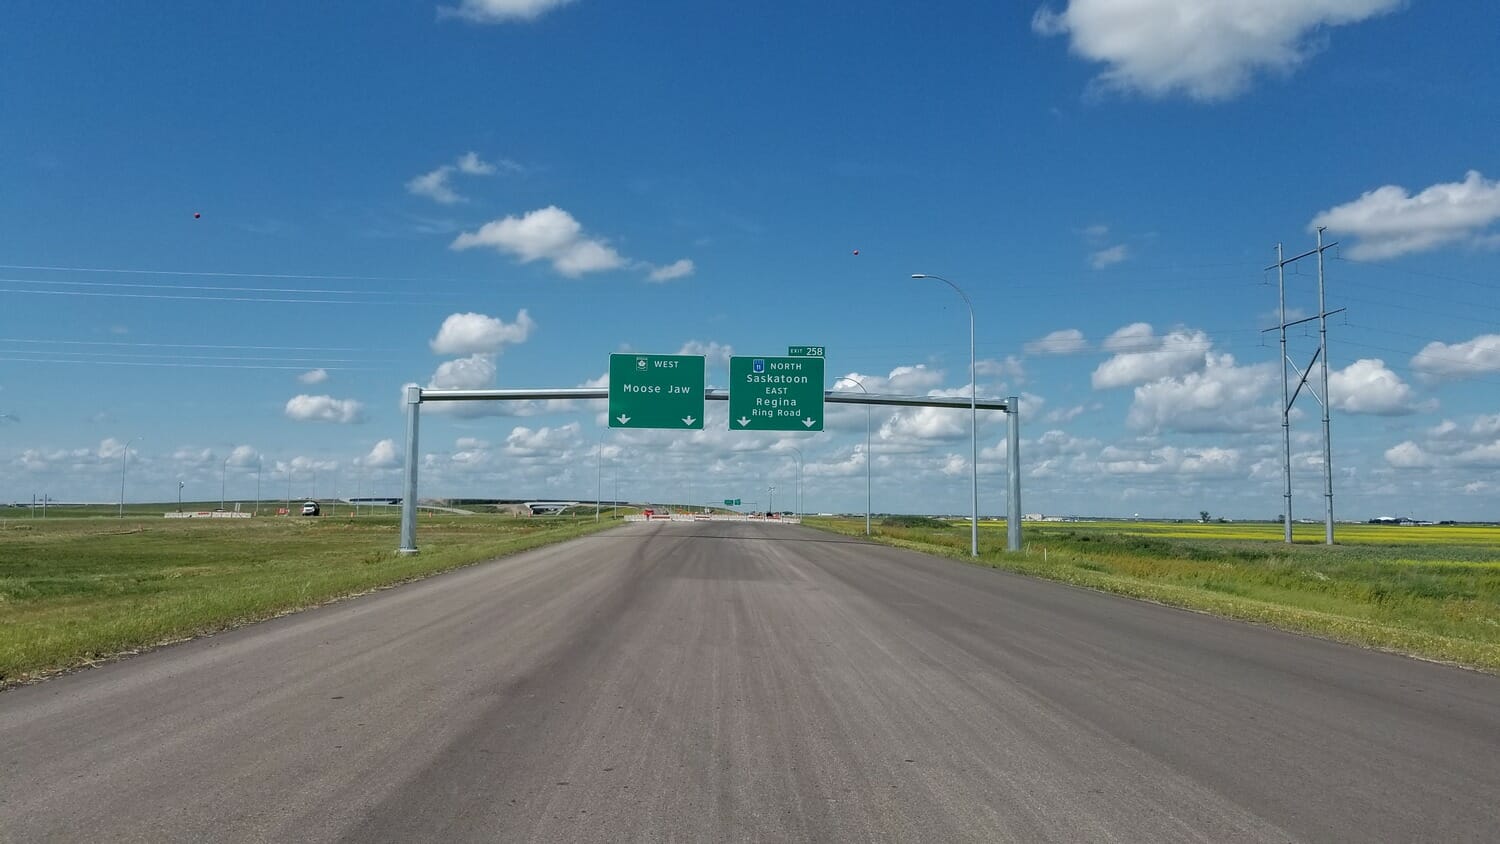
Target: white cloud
717,354
384,455
1222,397
1449,444
1135,337
1206,49
1009,367
1170,460
1143,357
500,11
111,448
1389,222
1408,455
471,333
526,442
1066,414
544,234
474,372
925,423
313,376
244,456
681,268
1066,341
195,456
1109,257
305,408
471,164
303,466
906,380
1367,386
1469,359
435,186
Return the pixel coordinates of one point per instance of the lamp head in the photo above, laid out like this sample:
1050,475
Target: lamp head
919,275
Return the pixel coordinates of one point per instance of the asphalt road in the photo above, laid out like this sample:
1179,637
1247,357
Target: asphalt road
723,682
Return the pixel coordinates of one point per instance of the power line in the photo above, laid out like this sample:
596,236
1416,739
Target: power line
268,301
211,274
149,286
1375,265
171,365
184,345
86,355
1404,306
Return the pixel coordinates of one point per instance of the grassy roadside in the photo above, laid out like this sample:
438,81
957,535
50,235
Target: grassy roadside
1435,599
74,591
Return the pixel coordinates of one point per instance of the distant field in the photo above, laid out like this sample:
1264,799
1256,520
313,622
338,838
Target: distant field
1350,534
73,590
1430,591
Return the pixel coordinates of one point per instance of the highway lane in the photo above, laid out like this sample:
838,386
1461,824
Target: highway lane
720,681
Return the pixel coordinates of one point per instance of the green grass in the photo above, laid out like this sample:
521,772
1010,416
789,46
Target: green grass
1431,591
75,590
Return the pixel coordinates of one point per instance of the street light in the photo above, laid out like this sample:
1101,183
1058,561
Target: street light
124,459
799,479
868,456
973,415
599,475
223,477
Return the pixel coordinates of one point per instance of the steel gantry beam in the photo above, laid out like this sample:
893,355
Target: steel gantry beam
417,396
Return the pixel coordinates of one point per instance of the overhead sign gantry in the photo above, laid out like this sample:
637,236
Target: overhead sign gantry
767,393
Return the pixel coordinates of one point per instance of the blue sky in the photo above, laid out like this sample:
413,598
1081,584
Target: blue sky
503,192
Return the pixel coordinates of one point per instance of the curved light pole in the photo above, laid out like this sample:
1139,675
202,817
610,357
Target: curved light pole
973,415
799,479
124,459
868,456
599,475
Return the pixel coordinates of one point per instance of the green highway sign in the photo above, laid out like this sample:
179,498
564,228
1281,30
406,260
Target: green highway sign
776,393
805,352
731,502
656,391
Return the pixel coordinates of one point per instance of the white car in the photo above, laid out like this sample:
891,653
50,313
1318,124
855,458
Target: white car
310,508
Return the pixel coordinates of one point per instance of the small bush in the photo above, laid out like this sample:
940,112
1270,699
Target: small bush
913,522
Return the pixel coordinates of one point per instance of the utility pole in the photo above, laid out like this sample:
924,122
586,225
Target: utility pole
1289,395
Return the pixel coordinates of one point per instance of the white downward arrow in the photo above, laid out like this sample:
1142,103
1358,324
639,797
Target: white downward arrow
624,420
809,422
688,420
743,421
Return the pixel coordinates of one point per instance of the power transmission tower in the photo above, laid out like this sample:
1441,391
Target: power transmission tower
1319,357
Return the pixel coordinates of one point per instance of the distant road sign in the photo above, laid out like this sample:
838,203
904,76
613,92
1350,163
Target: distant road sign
656,391
776,393
731,502
805,352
